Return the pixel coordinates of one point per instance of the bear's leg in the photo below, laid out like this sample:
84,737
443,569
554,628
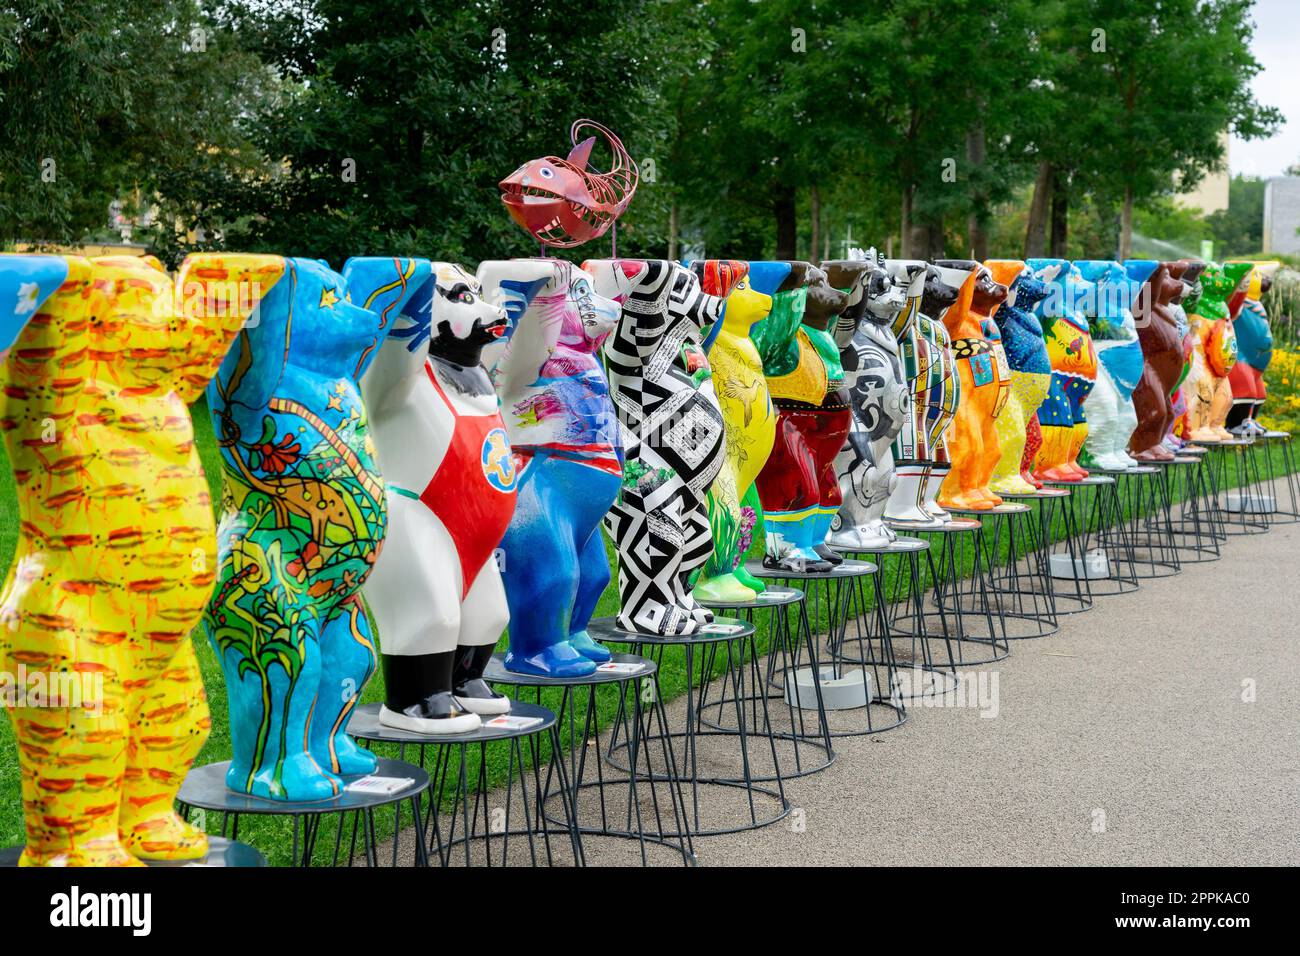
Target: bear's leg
788,488
749,500
270,693
966,445
169,724
1078,391
1220,405
1103,421
347,664
647,526
945,399
593,578
1033,444
72,760
483,616
717,580
414,593
697,546
1056,423
829,433
541,570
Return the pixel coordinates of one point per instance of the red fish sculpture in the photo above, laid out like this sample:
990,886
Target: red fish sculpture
562,203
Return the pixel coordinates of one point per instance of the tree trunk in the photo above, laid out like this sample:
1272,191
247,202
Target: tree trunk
935,240
905,225
977,236
917,235
1060,241
672,231
1036,230
1126,224
787,224
919,241
815,201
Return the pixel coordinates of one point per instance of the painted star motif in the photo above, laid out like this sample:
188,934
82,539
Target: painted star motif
328,298
335,403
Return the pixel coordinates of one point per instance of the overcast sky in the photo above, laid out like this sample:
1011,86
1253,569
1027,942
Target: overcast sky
1277,47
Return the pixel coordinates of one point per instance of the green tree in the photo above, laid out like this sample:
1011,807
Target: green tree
1146,92
104,100
1239,229
399,121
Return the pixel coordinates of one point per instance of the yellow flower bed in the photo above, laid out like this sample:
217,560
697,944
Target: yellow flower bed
1282,408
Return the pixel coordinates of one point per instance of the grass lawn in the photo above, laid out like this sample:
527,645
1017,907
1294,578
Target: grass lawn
272,836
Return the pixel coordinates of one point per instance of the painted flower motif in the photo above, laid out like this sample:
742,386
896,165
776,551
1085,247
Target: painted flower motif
28,295
748,519
308,559
277,458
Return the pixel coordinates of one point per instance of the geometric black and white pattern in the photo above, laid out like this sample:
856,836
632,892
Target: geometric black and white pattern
673,439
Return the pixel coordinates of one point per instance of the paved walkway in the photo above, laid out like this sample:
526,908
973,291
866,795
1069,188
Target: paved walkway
1130,721
1128,738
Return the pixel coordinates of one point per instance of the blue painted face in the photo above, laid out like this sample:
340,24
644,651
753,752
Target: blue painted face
1117,289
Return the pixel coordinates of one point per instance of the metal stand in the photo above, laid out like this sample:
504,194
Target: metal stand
205,789
1098,557
606,801
1144,498
1018,566
925,662
1115,523
452,826
1239,499
961,546
799,731
221,852
703,758
851,666
1196,532
1286,499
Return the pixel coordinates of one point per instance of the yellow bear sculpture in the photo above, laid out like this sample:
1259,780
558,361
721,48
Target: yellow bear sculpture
117,549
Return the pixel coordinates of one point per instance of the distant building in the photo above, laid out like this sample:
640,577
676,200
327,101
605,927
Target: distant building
1211,193
1282,215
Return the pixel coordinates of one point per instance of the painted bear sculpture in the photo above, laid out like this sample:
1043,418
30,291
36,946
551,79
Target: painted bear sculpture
943,395
116,543
449,475
922,362
985,382
1254,353
1221,403
1064,424
1174,440
1162,354
1214,350
1111,414
674,439
303,517
1031,373
562,426
879,397
747,412
798,486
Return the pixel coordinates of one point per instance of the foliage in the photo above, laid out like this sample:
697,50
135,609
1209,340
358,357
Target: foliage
1239,229
332,128
104,100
